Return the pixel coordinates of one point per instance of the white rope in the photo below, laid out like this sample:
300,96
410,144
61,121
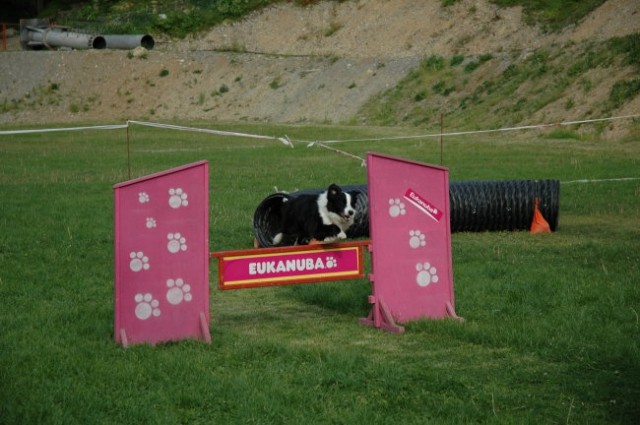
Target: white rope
496,130
323,144
285,140
363,162
48,130
621,179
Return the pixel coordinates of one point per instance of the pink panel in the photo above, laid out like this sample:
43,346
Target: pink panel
411,238
161,256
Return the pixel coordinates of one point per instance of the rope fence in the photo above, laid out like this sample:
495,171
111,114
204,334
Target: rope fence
324,144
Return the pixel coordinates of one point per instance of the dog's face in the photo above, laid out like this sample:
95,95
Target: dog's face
341,204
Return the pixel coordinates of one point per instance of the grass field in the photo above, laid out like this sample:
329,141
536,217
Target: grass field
552,330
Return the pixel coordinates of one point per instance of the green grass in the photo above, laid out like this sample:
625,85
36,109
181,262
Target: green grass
552,330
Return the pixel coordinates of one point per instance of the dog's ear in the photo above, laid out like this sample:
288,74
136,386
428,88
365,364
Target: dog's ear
334,189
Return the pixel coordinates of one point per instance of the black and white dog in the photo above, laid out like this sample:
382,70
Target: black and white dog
323,217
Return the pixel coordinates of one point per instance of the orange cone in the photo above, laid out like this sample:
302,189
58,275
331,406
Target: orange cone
539,224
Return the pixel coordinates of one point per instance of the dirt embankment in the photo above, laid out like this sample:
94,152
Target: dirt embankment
283,64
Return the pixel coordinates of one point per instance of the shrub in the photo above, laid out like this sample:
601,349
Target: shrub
629,45
421,95
623,91
433,63
456,60
471,66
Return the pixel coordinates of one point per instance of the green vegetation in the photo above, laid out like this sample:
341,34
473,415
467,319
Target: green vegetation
624,91
276,83
629,46
554,14
552,330
40,96
333,28
492,90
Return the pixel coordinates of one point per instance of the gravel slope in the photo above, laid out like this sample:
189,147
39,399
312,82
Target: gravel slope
290,64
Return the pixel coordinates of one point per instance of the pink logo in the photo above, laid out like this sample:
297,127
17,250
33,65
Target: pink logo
423,205
278,266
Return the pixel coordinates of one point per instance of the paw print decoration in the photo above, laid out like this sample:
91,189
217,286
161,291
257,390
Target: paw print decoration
178,291
417,239
396,208
426,275
139,261
146,306
177,198
176,243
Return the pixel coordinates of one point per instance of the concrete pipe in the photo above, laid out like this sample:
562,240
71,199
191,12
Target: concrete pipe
129,41
54,37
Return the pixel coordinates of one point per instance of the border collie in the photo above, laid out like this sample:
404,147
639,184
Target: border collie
323,217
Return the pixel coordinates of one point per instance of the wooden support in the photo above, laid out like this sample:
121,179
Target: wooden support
380,317
452,312
204,326
123,338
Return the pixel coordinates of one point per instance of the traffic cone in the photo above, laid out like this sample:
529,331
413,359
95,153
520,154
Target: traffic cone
539,224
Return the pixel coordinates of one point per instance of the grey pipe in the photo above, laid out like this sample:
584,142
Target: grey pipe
36,34
129,41
52,37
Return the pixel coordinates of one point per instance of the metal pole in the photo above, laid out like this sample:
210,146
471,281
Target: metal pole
128,152
441,131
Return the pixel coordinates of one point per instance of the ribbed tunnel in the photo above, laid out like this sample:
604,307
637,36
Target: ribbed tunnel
474,206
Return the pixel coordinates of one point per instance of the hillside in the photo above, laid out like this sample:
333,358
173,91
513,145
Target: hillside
341,62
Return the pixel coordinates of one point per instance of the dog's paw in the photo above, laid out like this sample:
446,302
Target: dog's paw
330,239
342,235
277,239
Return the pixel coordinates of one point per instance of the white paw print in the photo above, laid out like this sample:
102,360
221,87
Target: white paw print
416,239
143,198
146,306
396,208
177,198
176,243
178,291
138,261
151,222
331,262
426,274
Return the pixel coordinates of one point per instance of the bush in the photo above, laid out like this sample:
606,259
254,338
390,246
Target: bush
456,60
623,91
433,63
629,45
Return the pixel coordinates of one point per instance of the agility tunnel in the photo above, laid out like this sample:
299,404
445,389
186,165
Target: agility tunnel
474,206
